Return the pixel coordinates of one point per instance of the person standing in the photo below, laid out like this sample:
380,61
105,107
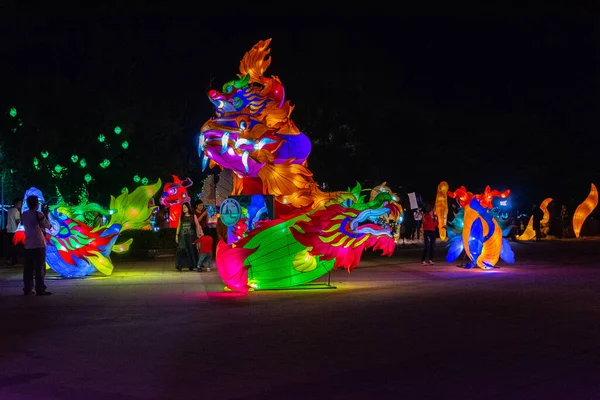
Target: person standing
418,217
12,223
204,244
564,219
430,223
537,222
35,223
188,230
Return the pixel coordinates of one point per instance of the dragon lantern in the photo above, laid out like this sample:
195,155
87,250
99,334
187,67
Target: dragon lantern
313,231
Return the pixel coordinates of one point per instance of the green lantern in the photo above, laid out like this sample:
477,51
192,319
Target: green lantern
74,158
123,190
136,178
58,168
118,130
13,112
44,154
144,181
87,178
105,163
125,144
83,163
36,163
101,138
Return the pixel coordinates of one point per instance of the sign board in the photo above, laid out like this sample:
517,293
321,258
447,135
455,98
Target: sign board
412,198
231,212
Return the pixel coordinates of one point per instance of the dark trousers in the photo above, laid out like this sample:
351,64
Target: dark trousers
212,232
418,228
429,239
35,265
11,250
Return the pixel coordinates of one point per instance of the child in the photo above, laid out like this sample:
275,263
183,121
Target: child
204,245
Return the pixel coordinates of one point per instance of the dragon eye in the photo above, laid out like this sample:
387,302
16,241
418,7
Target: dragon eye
348,203
228,89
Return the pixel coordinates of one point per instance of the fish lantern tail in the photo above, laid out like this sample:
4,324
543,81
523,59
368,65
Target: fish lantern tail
132,210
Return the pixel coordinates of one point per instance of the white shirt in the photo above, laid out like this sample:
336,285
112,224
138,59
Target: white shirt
13,220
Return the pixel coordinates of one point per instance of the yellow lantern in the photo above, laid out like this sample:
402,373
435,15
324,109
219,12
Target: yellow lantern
584,210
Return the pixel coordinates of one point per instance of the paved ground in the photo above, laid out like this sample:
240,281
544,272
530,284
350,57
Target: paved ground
392,329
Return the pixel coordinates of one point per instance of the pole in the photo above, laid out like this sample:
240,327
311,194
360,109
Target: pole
2,215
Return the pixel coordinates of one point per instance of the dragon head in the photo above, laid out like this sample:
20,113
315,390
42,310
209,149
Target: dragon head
175,192
252,125
347,226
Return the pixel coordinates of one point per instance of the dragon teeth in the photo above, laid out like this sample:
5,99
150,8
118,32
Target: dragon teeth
224,142
245,160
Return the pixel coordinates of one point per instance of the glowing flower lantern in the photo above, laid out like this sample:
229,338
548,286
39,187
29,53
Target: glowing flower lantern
82,163
12,112
87,178
584,210
74,158
136,178
117,130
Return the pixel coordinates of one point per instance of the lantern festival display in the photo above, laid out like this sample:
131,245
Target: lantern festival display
75,249
311,232
476,232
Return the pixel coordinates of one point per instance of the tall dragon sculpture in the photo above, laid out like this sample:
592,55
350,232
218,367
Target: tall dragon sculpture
313,231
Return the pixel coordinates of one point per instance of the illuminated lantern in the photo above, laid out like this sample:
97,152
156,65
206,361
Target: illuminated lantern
44,154
117,130
87,178
75,249
136,178
58,168
13,112
441,208
476,231
174,195
74,158
529,233
101,138
36,163
584,210
105,163
311,231
144,181
82,163
125,144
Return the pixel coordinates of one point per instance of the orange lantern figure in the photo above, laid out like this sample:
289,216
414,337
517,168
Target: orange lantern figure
441,207
584,210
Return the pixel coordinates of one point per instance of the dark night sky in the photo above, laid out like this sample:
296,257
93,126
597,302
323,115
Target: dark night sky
510,102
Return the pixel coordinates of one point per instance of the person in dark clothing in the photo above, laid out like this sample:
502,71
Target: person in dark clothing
565,222
430,223
537,221
188,230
